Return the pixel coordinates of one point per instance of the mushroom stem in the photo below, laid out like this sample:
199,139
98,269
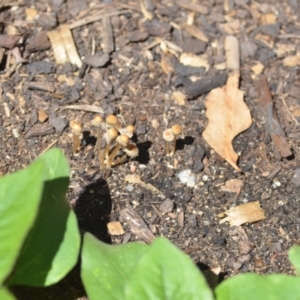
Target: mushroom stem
167,148
122,141
76,143
119,160
112,155
176,130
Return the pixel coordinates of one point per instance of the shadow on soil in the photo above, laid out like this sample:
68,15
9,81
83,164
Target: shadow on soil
92,209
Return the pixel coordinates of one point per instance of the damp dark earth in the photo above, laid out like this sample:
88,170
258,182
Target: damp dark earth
225,189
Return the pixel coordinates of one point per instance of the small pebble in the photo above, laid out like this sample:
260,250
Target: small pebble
187,177
129,188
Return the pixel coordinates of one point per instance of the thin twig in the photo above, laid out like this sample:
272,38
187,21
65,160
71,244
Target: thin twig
291,115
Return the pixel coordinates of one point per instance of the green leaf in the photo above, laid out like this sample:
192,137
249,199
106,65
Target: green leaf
166,273
105,269
5,294
52,246
294,256
20,194
257,287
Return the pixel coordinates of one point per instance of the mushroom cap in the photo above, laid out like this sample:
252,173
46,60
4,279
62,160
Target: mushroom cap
123,140
128,130
176,129
131,150
97,121
168,135
112,121
76,127
110,134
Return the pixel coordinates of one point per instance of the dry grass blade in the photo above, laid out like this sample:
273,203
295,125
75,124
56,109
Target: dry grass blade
84,107
135,179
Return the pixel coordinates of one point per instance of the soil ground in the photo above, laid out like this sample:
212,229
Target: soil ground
130,81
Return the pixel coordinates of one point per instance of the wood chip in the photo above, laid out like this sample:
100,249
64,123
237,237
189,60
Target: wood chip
137,225
272,125
70,45
191,5
115,228
107,41
231,45
190,59
195,32
245,213
42,116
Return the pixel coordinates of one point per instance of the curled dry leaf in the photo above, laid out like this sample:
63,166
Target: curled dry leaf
245,213
228,115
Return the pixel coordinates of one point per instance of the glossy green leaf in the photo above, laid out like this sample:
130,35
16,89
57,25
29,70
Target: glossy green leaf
165,273
52,246
257,287
294,256
105,269
20,195
5,294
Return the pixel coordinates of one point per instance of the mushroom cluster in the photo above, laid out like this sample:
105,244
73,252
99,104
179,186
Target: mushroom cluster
114,141
170,136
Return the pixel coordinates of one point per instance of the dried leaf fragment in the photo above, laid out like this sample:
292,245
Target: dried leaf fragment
228,115
232,185
115,228
245,213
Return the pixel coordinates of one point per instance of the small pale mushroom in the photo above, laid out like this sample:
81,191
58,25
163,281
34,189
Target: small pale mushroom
128,130
76,130
122,141
168,136
109,136
131,150
113,121
176,130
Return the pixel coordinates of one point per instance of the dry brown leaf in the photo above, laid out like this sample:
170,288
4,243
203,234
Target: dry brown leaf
228,115
232,186
115,228
245,213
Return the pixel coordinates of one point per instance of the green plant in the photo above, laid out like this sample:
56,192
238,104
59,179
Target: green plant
40,241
